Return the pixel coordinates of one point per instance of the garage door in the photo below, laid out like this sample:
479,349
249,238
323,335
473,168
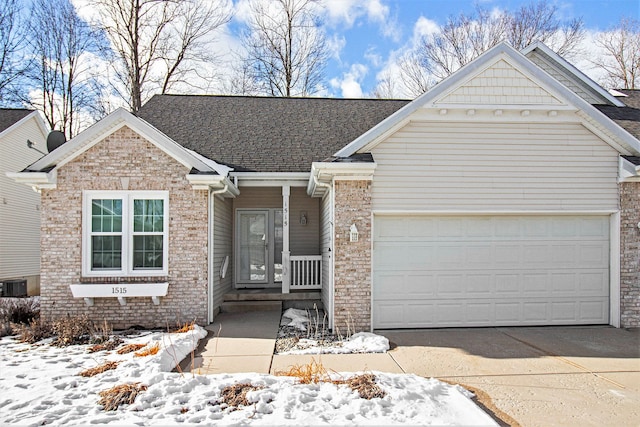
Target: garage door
490,270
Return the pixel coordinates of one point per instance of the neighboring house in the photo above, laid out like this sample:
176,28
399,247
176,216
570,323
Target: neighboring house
19,205
500,197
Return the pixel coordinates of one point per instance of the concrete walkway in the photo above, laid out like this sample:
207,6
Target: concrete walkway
550,376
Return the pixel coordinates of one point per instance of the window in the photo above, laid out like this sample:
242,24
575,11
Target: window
125,233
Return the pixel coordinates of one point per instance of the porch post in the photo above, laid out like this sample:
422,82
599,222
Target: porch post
286,264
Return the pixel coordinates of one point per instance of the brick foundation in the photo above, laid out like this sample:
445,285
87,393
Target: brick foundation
125,154
352,260
629,254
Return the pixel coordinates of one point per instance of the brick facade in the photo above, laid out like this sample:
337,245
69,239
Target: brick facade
125,154
352,260
629,254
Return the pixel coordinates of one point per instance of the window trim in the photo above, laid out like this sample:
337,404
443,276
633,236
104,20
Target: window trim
127,198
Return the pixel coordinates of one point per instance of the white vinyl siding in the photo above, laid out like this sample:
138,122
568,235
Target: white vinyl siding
494,166
569,81
19,204
222,247
326,244
480,270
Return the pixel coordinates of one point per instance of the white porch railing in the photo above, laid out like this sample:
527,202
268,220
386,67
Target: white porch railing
306,272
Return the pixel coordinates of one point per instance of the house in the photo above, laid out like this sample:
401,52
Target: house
502,196
19,205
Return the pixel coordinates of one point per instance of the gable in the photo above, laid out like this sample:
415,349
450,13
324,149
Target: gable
500,84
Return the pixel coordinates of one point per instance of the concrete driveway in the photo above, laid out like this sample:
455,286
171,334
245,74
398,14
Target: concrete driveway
538,376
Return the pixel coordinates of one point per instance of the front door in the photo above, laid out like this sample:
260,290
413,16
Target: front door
258,248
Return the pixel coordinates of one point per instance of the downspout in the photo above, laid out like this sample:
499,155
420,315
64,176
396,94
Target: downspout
211,251
331,244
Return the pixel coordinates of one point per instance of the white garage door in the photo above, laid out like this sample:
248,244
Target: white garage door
490,270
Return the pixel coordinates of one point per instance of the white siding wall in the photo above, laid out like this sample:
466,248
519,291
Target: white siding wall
494,166
326,247
19,204
222,247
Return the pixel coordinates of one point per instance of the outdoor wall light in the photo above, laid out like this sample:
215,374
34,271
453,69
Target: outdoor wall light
353,233
303,218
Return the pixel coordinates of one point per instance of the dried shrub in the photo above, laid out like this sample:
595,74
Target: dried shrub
124,394
73,330
129,348
19,310
112,344
365,385
99,369
35,331
148,351
236,395
313,372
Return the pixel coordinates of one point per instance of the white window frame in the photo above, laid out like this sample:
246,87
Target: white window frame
127,198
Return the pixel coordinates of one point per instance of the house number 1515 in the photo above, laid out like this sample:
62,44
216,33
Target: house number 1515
118,290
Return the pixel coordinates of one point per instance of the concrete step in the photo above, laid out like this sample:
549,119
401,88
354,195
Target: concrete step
247,306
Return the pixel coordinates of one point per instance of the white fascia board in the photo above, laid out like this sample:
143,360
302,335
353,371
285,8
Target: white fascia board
270,179
215,182
538,45
322,173
114,121
36,180
219,168
628,171
370,138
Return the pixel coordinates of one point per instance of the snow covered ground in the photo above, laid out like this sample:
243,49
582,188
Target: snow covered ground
40,385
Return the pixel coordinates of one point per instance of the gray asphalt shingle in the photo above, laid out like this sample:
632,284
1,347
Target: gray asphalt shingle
10,116
627,117
265,134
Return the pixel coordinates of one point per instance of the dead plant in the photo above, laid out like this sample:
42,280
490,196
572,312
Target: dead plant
236,395
365,385
73,330
112,344
107,366
313,372
129,348
185,328
36,330
149,350
123,394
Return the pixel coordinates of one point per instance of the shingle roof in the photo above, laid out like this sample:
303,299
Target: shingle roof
633,159
10,116
265,134
628,117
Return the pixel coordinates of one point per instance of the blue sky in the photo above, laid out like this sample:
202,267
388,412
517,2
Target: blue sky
367,34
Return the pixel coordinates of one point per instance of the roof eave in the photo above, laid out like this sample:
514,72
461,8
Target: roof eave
36,180
323,173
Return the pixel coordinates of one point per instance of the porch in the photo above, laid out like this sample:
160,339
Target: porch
276,244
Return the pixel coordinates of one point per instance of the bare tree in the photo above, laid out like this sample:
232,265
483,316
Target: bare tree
286,49
157,42
13,59
61,43
621,61
465,37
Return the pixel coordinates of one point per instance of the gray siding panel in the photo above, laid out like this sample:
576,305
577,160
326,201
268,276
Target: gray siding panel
222,241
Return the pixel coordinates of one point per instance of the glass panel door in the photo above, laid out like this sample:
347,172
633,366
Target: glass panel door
277,243
253,245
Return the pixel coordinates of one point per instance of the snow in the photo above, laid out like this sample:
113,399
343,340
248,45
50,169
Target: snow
362,342
40,385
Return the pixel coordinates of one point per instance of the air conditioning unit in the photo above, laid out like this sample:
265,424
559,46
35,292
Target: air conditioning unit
15,288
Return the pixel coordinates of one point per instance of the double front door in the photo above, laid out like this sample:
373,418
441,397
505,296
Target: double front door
258,248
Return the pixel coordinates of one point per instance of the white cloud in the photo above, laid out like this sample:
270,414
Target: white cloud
335,44
347,12
373,57
350,83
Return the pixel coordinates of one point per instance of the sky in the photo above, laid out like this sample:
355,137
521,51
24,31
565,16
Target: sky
366,36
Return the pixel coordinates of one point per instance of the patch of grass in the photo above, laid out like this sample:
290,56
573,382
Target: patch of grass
99,369
185,328
236,395
129,348
112,344
123,394
148,350
313,372
365,385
